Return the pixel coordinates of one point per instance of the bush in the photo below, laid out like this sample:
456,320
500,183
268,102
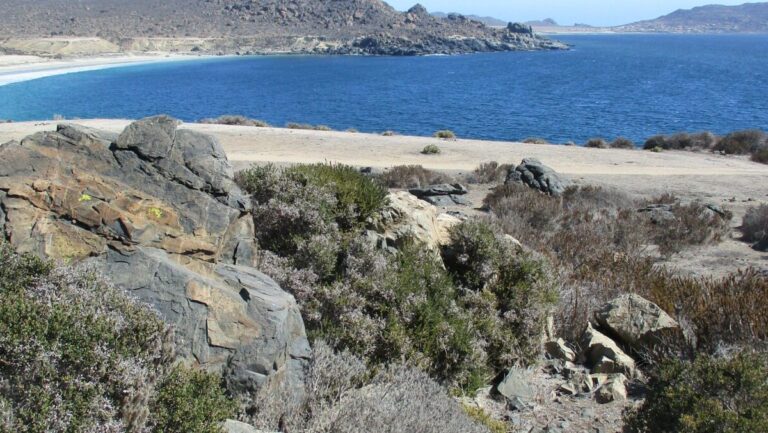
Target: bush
342,397
191,401
235,120
741,142
690,224
622,143
77,353
389,133
597,143
445,134
412,176
754,228
708,395
430,149
535,140
682,141
490,172
760,155
293,125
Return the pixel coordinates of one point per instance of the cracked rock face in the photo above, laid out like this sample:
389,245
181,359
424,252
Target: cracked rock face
157,209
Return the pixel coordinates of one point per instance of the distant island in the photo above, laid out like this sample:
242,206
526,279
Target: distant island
746,18
356,27
488,21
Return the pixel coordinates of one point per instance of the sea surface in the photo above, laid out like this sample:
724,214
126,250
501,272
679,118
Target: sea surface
607,86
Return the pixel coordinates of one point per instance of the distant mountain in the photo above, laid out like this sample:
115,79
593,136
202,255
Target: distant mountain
264,26
549,22
746,18
488,21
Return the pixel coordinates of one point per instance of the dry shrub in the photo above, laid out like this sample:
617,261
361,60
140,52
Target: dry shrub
341,397
412,176
690,224
596,143
622,143
490,172
722,311
235,120
682,141
761,155
307,126
754,228
445,134
535,140
742,142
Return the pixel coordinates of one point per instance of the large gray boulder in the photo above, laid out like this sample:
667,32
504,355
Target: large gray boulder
533,173
156,208
635,321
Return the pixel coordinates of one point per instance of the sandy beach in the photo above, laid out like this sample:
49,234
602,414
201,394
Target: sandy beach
18,68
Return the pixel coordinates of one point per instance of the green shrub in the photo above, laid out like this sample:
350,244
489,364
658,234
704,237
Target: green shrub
190,400
77,354
622,143
597,143
235,120
412,176
482,417
706,396
430,149
741,142
445,134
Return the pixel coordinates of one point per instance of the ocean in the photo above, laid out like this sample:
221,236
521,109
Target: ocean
633,86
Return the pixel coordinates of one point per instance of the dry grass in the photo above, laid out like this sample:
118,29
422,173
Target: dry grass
490,172
412,176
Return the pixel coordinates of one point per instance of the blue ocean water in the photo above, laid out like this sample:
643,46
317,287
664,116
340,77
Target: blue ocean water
608,86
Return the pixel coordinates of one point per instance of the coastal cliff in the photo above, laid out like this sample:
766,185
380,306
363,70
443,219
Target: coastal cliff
352,27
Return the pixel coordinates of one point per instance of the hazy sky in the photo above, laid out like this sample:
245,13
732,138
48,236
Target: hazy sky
595,12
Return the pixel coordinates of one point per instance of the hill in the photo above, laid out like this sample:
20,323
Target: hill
746,18
264,26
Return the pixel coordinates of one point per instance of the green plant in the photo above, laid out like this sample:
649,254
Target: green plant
84,197
445,134
430,149
190,400
482,417
705,396
76,352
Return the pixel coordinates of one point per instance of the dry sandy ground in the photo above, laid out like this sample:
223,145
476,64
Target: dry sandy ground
17,68
733,182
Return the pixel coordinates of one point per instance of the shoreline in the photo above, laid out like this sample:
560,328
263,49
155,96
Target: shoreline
21,68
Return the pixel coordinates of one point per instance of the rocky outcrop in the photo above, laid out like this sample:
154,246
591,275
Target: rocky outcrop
635,321
604,356
157,210
533,173
406,218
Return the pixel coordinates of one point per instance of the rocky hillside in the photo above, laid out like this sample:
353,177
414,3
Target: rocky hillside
746,18
326,26
488,21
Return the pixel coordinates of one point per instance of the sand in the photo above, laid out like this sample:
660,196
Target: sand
733,182
18,68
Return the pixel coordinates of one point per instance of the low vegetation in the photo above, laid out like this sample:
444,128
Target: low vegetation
306,126
77,354
622,143
742,142
430,149
535,140
235,120
753,142
682,141
708,395
490,172
445,134
754,228
596,143
412,176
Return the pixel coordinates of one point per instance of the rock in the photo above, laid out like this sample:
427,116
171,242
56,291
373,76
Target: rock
536,175
516,386
157,209
659,213
614,389
520,28
439,190
406,218
557,349
635,321
599,349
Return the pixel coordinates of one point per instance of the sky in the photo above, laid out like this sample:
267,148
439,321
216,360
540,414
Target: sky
594,12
